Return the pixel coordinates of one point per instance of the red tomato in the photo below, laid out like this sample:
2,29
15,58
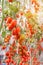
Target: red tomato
21,63
14,32
9,56
12,25
18,29
7,60
3,47
10,48
14,22
10,0
24,47
13,44
42,39
32,31
34,59
9,20
7,53
14,51
12,61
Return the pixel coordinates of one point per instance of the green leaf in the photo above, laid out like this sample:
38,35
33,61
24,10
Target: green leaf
3,34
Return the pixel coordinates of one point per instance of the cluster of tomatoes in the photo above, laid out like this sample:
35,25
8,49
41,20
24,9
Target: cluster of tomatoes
19,50
9,54
23,52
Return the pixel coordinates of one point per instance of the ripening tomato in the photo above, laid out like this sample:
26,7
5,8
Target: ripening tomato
10,0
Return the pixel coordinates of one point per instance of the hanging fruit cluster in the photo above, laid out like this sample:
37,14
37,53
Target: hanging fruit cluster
20,35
